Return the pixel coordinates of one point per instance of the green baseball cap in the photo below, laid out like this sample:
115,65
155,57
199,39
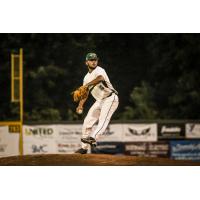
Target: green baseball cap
91,56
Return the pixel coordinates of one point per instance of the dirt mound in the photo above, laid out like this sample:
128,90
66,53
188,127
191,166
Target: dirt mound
89,160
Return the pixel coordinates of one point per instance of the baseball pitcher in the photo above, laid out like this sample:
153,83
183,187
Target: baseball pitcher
96,83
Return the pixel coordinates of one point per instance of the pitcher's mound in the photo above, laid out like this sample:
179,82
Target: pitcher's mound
89,160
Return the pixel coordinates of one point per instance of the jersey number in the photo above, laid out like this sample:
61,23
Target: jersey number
101,87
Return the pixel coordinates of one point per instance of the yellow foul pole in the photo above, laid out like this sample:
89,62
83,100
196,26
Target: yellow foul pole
21,101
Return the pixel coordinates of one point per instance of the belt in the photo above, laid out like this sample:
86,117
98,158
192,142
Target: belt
113,92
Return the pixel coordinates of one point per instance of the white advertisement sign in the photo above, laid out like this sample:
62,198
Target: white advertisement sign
113,133
58,139
139,132
9,142
39,139
69,132
51,139
67,147
192,130
68,138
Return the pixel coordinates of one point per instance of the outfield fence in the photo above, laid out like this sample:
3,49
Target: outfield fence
174,139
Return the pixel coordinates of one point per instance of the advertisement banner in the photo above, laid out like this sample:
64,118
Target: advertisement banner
68,132
9,142
51,139
109,148
158,149
193,130
148,149
67,148
39,139
136,149
113,133
171,130
68,138
139,132
185,149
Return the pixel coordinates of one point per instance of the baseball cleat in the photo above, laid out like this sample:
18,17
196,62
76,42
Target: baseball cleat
89,140
81,151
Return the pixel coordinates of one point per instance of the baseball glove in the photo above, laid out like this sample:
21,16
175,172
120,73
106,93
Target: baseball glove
80,93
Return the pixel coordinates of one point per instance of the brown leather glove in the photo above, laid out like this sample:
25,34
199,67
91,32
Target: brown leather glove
80,93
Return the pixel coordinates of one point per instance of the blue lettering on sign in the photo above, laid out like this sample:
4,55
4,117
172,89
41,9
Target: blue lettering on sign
185,150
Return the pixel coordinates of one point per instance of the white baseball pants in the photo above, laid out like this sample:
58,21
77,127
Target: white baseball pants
102,112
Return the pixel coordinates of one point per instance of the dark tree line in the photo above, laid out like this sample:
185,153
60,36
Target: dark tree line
157,75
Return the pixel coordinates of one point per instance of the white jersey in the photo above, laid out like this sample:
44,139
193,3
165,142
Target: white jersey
102,89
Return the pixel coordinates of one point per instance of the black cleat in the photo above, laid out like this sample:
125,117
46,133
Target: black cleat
81,151
89,140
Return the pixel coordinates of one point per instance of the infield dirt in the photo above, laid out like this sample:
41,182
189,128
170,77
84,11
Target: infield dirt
90,160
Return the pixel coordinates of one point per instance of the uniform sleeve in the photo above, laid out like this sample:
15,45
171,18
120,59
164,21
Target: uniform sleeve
100,72
103,73
84,82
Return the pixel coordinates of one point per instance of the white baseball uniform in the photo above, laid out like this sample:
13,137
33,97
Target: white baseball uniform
104,107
